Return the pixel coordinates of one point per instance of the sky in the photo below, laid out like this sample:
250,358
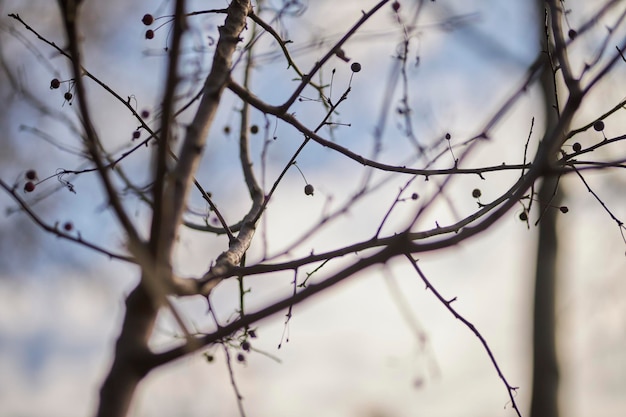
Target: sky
352,350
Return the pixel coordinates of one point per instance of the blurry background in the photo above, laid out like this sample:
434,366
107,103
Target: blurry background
350,351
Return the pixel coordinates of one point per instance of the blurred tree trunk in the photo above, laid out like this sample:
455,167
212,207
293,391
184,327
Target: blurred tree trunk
544,401
545,367
131,355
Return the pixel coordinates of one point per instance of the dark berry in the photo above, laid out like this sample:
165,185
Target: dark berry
55,83
395,6
68,226
598,126
209,358
414,196
149,34
448,136
523,216
145,114
227,129
31,174
476,193
147,19
68,96
245,346
564,209
254,129
29,187
355,67
252,334
572,34
136,134
576,147
308,189
241,357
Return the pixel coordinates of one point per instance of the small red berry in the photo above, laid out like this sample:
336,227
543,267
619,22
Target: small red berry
147,19
355,67
29,187
136,134
55,83
68,226
68,96
308,189
149,34
31,174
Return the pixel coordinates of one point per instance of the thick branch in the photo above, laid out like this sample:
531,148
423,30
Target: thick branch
160,214
178,184
130,364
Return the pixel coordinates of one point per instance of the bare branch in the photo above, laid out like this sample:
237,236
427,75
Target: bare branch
448,304
177,185
55,230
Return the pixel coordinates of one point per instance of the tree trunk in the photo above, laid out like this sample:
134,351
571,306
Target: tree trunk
545,367
131,355
544,402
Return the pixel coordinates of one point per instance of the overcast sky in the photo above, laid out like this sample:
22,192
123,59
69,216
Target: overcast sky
350,351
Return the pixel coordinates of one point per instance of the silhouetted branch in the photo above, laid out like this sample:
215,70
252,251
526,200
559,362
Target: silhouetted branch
448,305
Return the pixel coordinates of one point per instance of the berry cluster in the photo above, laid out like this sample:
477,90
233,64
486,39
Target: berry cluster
55,84
147,20
31,176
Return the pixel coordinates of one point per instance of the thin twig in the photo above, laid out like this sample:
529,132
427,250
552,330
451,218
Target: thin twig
448,305
55,230
233,383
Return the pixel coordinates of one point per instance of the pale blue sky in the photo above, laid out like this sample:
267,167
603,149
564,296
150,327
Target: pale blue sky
350,353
